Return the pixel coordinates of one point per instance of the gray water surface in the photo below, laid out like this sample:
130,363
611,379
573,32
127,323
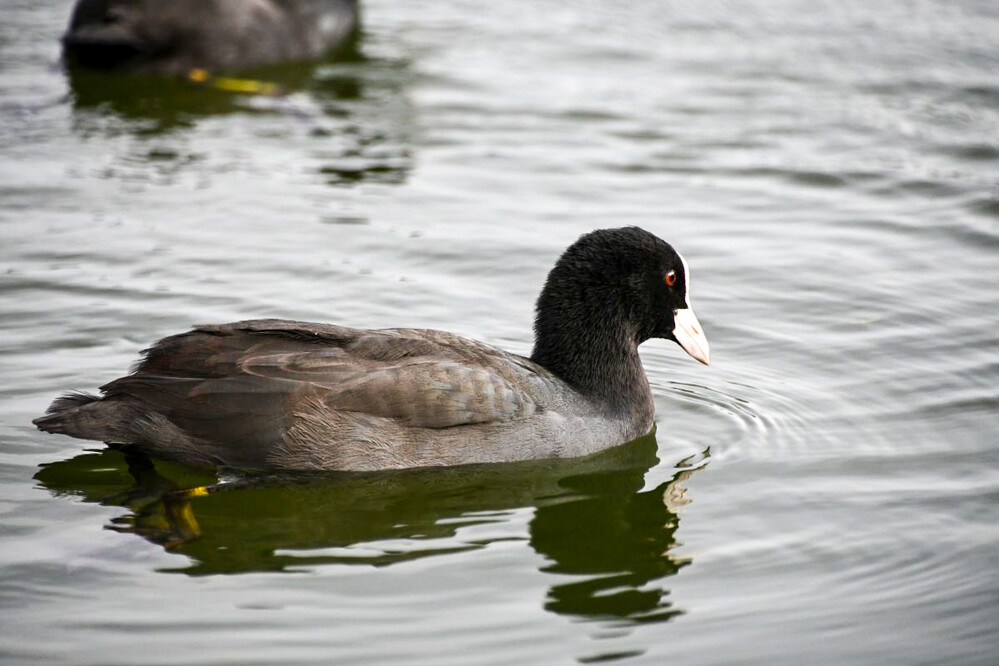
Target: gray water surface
826,492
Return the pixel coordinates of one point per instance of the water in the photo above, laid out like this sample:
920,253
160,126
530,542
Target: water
825,492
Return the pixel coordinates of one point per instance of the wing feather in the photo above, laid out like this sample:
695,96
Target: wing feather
249,376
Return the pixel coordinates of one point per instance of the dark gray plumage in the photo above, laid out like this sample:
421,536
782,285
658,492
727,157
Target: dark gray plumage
177,36
293,395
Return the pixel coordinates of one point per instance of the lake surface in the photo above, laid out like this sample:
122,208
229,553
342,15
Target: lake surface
826,492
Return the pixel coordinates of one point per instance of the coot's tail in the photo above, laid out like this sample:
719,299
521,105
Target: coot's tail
87,416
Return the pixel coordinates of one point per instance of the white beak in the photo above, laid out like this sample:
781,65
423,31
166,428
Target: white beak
687,331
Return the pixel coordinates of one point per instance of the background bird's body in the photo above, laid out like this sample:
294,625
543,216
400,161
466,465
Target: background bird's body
177,36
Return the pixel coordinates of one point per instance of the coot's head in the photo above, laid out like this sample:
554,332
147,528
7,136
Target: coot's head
106,34
615,282
165,36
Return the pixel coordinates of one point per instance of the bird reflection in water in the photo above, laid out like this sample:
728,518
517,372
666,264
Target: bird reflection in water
608,541
355,110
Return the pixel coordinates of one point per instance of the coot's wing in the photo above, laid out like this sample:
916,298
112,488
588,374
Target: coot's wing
246,380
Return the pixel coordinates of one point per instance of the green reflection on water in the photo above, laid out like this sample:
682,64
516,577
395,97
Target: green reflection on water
341,105
605,540
169,101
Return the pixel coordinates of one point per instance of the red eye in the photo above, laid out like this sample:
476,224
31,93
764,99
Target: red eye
671,278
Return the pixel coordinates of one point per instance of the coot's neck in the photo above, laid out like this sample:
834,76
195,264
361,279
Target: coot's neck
596,352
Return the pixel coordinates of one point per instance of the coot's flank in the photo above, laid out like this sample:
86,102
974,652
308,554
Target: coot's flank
273,394
177,36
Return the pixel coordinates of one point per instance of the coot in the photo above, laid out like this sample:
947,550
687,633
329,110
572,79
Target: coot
288,395
178,36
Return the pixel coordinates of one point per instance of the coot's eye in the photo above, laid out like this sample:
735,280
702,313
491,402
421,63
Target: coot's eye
671,278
